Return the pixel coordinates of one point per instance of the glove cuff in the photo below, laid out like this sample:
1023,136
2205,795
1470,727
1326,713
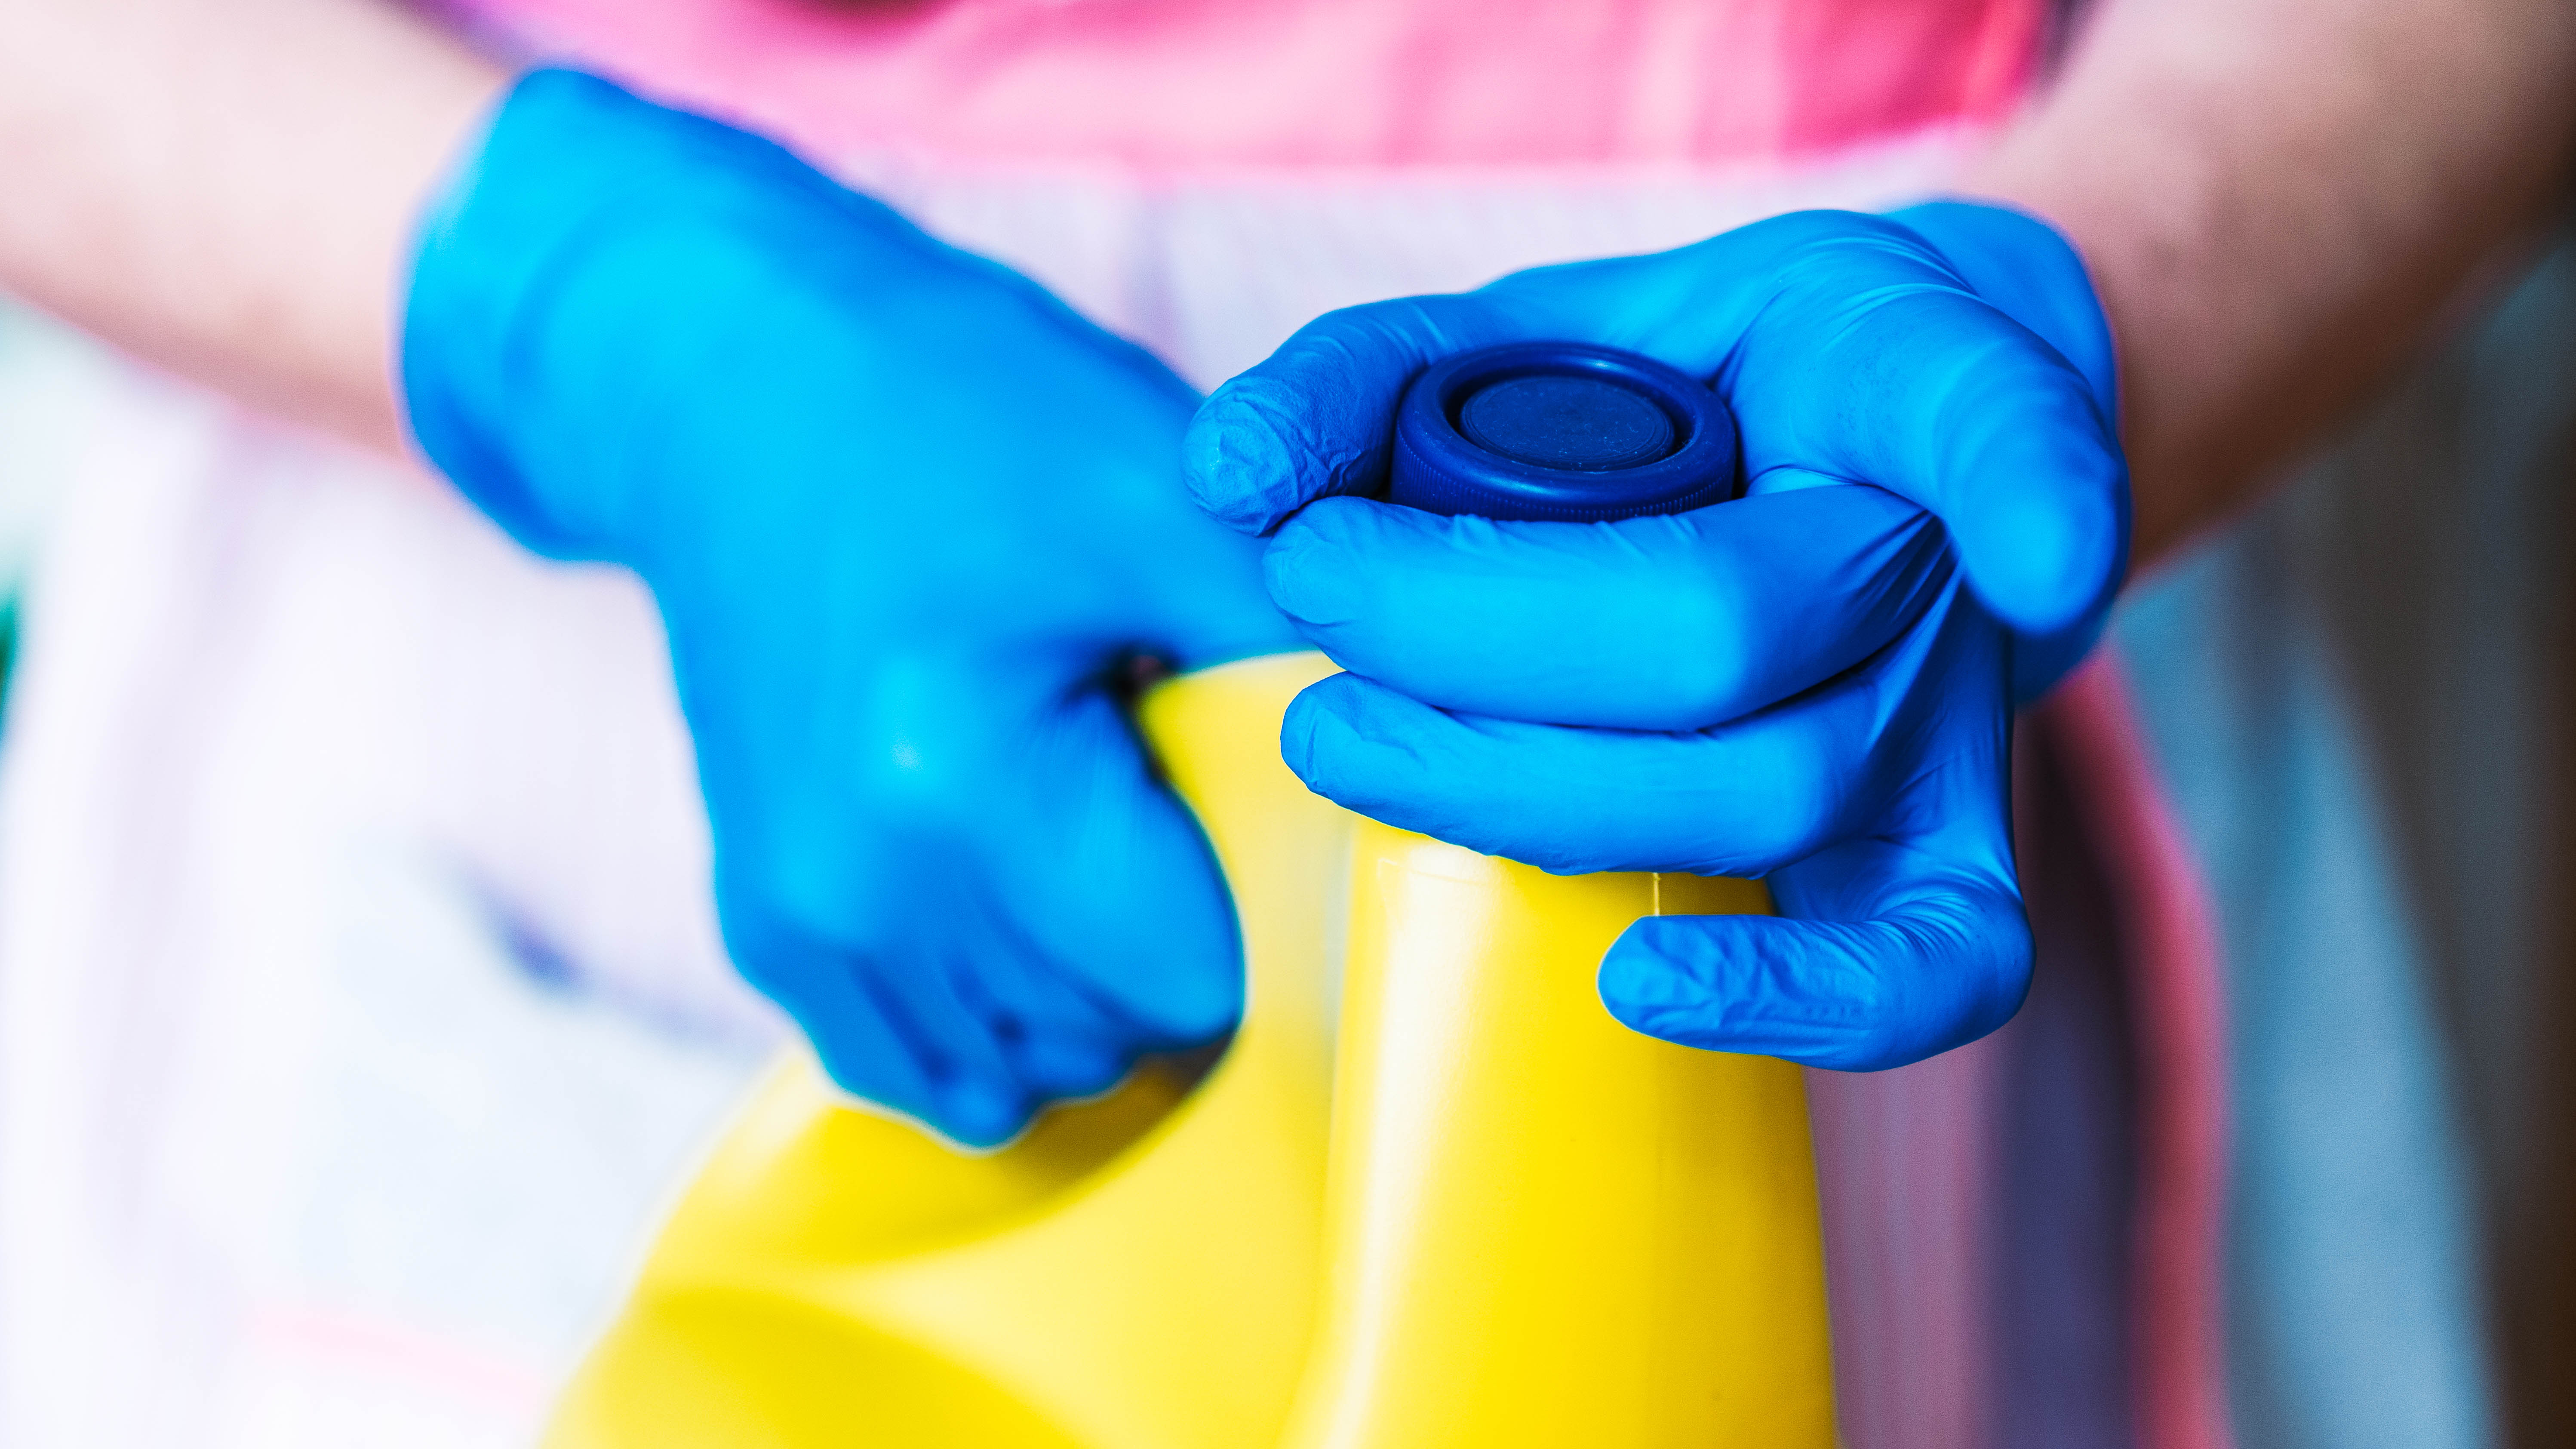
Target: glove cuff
543,334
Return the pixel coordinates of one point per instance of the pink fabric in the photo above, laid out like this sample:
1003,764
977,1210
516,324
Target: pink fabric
1184,86
2178,1005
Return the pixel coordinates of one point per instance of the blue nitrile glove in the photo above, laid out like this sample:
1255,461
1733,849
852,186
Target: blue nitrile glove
909,520
1810,683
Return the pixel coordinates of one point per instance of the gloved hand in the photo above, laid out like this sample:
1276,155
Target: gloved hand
1813,683
909,521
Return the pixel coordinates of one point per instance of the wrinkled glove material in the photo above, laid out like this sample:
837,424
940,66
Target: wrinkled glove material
1813,683
909,520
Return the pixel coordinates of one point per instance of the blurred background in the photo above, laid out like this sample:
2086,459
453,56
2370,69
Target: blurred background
362,1005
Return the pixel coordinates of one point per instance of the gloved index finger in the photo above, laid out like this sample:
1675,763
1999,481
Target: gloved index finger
1672,622
1316,417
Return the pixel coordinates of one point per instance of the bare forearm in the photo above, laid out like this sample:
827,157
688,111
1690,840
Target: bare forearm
2277,199
227,189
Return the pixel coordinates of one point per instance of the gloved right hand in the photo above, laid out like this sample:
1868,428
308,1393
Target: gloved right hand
908,519
1812,684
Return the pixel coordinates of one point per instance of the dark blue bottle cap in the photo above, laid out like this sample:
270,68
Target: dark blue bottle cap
1560,430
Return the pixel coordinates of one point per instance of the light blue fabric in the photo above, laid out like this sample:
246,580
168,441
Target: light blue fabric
2354,697
2353,1320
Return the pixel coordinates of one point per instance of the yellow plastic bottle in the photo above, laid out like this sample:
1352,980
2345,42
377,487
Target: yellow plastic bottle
1477,1212
1474,1211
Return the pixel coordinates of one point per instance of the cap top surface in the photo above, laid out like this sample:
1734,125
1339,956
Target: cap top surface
1558,420
1559,431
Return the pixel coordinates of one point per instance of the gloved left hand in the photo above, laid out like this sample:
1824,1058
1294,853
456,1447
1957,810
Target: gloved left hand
1813,683
906,517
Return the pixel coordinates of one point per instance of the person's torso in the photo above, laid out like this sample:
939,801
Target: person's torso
1191,86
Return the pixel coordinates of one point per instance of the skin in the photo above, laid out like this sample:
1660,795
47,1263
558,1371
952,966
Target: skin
2278,198
228,190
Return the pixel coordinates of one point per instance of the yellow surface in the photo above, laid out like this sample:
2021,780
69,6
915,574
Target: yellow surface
1499,1219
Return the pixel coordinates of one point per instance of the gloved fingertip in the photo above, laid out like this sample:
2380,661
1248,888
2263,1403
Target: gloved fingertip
1316,734
2042,564
1297,735
1198,1003
1644,989
980,1113
1236,465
